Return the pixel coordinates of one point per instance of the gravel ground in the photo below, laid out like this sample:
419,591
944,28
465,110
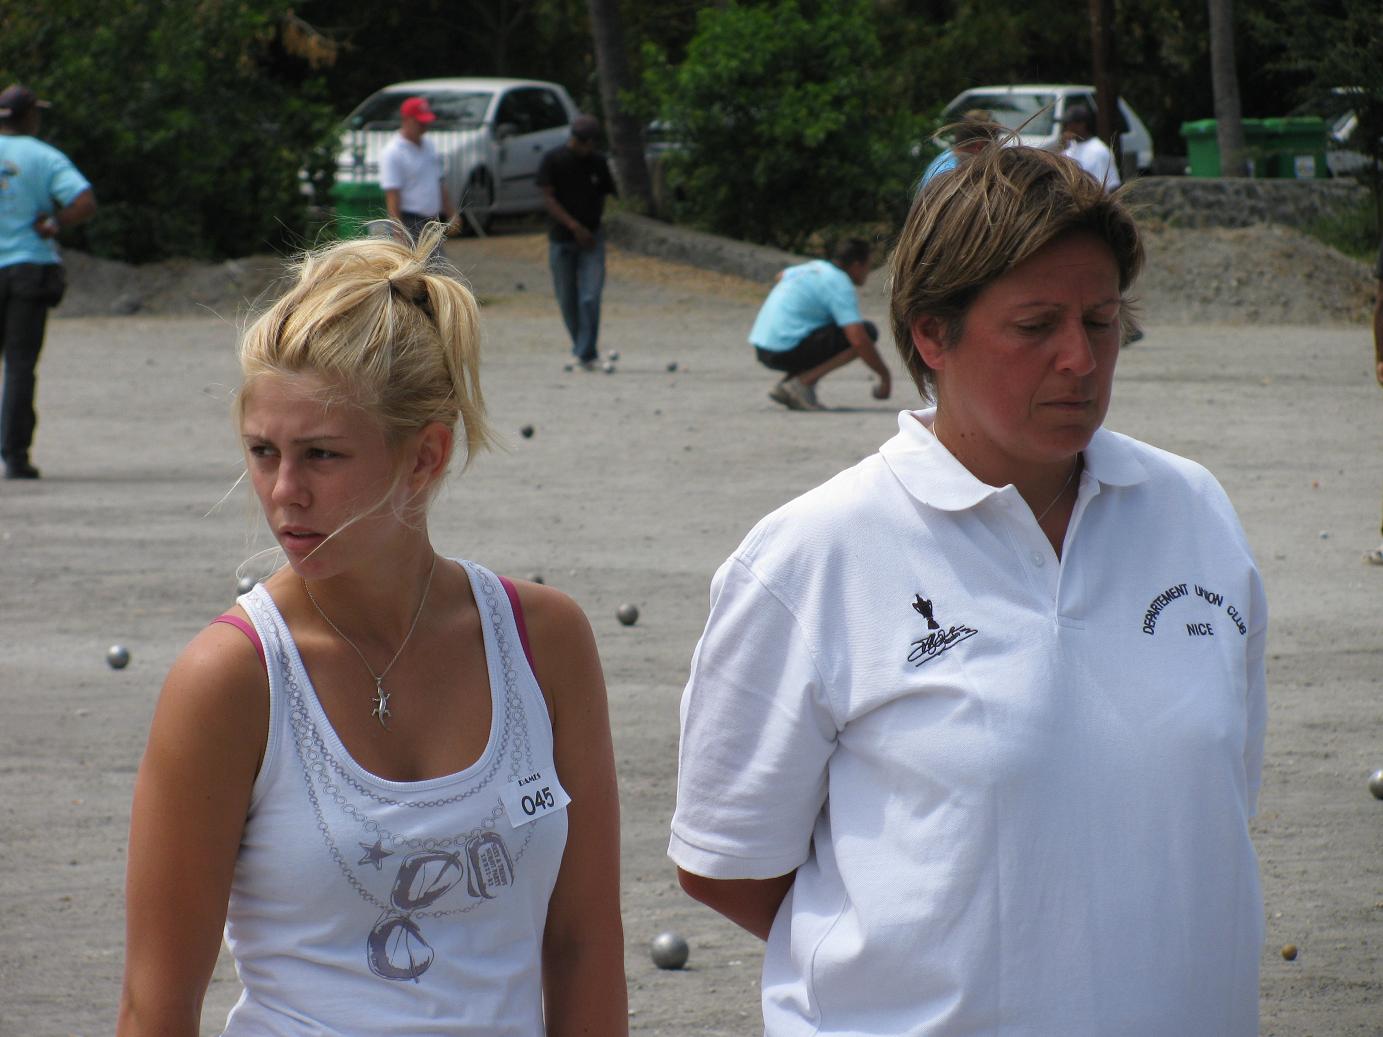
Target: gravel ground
634,487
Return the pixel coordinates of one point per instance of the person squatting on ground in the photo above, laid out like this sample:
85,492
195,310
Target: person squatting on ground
975,729
810,325
574,179
1082,145
968,137
41,192
409,823
1375,556
411,173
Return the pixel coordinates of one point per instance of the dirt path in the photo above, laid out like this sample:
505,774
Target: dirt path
634,487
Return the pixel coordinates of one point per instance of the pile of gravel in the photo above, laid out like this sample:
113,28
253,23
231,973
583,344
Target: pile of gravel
1252,275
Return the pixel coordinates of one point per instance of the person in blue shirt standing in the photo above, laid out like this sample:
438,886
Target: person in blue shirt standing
41,192
810,325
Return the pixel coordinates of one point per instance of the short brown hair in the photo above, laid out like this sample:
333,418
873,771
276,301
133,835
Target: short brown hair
982,219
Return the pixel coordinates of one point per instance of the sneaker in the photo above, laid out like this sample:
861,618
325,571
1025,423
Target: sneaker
1374,557
590,364
793,395
20,470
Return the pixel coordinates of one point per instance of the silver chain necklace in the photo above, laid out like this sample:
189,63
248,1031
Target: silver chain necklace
1061,492
381,712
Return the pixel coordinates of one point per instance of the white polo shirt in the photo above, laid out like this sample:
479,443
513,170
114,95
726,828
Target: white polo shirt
415,171
1016,789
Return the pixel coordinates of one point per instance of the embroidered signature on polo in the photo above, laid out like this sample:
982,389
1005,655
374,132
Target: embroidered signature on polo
924,649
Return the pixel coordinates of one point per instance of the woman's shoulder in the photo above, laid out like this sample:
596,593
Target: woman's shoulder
826,513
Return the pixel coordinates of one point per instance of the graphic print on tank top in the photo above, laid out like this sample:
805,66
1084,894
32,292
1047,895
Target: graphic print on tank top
437,878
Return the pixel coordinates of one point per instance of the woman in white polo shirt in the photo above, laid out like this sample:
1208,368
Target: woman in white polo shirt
975,728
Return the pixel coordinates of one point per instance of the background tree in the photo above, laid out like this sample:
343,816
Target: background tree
785,121
1333,50
1229,125
190,119
621,122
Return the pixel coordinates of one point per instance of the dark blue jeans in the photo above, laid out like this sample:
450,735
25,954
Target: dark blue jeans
578,278
27,291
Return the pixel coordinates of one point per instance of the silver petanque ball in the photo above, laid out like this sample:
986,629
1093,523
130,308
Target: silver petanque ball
671,366
669,951
526,432
609,367
627,614
118,656
1376,784
612,356
245,584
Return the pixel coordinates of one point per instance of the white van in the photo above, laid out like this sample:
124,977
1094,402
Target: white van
1036,110
490,133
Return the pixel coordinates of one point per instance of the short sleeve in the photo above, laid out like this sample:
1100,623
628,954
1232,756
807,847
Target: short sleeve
545,171
844,304
391,174
65,182
757,732
1256,706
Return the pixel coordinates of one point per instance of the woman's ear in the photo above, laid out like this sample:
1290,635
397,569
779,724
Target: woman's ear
928,338
432,453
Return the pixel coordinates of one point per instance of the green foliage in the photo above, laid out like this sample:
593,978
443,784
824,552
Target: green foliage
190,124
1352,230
1333,44
786,120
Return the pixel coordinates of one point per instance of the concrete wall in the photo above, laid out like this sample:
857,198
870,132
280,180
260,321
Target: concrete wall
1177,201
1183,201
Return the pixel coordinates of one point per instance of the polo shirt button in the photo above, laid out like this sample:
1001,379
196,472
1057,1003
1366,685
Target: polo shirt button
1038,560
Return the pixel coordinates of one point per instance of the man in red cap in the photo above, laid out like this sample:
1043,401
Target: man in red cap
410,171
41,192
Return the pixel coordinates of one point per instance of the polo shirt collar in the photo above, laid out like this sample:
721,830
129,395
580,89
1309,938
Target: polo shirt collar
931,474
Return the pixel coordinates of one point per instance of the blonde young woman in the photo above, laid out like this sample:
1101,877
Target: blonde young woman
385,772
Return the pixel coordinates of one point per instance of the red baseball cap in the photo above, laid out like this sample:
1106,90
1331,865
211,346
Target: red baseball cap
417,108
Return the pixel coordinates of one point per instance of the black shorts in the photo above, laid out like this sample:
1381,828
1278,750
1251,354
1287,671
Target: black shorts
821,345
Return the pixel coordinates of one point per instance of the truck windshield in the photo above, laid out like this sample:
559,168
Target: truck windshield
1011,109
453,107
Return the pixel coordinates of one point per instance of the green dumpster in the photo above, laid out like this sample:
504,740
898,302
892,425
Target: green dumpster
1296,148
355,205
1203,146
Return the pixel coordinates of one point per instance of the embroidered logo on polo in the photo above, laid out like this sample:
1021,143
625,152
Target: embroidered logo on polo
1212,627
938,639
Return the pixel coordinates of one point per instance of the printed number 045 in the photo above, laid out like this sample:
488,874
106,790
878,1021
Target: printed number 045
539,800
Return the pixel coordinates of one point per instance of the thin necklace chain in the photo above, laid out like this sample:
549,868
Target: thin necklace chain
1059,493
381,712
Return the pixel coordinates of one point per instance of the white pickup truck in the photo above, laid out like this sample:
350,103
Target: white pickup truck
490,133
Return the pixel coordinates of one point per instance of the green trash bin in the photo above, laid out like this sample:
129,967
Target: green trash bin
1296,148
1203,146
355,205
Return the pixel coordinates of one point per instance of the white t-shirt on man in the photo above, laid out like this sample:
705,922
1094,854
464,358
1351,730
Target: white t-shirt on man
415,171
1095,158
1015,788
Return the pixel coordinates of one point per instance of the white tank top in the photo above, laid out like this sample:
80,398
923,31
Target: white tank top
361,905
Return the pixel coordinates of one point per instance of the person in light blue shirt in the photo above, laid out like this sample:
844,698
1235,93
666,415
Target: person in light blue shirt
41,192
810,325
976,129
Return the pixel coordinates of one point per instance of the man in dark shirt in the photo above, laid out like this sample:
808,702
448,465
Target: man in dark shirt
574,179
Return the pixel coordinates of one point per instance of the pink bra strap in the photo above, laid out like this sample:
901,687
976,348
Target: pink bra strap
248,630
513,593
